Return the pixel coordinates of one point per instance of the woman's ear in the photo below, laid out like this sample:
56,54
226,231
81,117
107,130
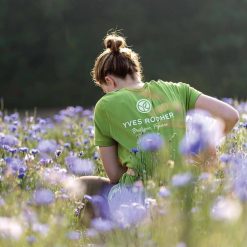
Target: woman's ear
110,81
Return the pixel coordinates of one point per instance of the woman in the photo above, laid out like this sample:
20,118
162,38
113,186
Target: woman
131,108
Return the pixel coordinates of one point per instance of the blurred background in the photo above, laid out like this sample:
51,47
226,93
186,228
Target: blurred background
48,47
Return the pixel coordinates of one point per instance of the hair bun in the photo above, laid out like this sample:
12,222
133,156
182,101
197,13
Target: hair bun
114,42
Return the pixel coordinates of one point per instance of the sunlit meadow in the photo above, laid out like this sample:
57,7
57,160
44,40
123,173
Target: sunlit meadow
42,202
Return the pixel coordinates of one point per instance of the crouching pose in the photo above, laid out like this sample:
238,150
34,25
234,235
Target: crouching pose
132,107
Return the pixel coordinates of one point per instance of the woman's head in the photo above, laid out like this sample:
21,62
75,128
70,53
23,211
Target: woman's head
117,60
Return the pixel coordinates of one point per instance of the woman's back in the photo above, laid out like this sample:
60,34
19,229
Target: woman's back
122,116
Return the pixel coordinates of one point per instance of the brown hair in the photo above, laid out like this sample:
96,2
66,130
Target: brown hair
117,59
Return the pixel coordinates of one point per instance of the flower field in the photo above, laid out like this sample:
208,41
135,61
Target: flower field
42,202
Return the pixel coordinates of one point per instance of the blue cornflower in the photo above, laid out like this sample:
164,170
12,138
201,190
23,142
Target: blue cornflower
16,166
102,225
58,118
12,128
96,155
9,140
100,205
226,158
228,100
80,166
5,147
67,145
47,146
85,141
34,151
226,209
45,161
126,205
58,152
23,149
151,142
202,132
134,150
237,172
14,116
87,113
21,172
74,235
244,125
70,111
31,239
43,197
164,192
12,150
181,179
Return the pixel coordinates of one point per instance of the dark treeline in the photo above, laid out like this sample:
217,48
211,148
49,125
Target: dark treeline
48,47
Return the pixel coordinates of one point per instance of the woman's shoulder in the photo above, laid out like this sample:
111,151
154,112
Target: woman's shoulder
164,84
104,101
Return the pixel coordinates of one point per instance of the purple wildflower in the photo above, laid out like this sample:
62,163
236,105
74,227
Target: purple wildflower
202,132
45,161
181,244
58,152
151,142
126,204
74,235
10,228
34,151
80,166
47,146
181,179
41,228
54,175
12,150
102,225
237,173
86,113
9,140
228,100
85,141
43,197
130,214
2,202
96,155
100,205
16,166
134,150
12,128
244,125
164,192
31,239
226,209
71,111
89,130
226,158
23,149
67,145
58,118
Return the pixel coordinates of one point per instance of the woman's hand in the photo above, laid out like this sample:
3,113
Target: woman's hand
218,109
111,163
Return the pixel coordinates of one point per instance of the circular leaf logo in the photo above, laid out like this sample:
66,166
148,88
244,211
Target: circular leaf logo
143,106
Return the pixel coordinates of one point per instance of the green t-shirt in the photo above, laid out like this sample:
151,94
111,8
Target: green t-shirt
122,116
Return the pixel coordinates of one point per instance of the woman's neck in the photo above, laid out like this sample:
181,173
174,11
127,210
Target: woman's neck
130,82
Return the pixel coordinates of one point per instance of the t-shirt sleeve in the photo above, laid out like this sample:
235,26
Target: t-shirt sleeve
102,135
188,94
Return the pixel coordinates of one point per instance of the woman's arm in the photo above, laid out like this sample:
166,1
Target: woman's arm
218,109
111,163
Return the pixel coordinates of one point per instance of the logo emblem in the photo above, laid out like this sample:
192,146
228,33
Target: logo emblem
143,106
